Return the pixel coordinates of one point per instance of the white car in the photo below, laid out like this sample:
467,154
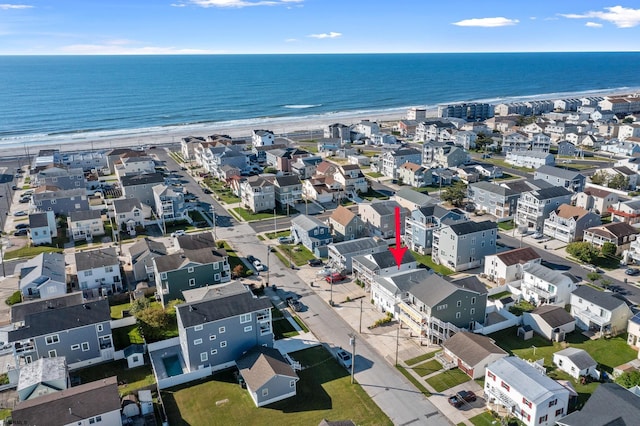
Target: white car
258,265
178,233
344,358
326,271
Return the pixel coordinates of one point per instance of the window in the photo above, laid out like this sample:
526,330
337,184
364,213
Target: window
212,337
50,340
504,385
192,282
458,303
214,351
163,275
216,277
292,384
223,344
197,342
245,318
542,419
197,327
53,353
204,356
108,268
85,346
553,402
472,311
88,273
265,392
222,330
526,402
458,314
473,300
100,328
559,411
190,269
248,329
75,347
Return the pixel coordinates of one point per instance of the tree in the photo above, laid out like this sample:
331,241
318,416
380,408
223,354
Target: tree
593,276
139,305
455,194
600,177
629,379
154,322
238,270
609,249
618,182
583,251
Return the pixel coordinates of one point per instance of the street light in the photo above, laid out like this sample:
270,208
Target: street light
352,342
268,268
213,215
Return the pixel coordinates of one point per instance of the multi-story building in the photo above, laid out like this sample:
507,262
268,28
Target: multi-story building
467,111
513,386
506,267
341,254
60,202
529,159
627,211
515,141
419,227
596,199
414,175
262,138
84,225
346,224
464,245
311,233
535,206
542,285
257,194
557,176
141,186
43,276
567,223
448,156
599,311
98,270
351,178
169,204
72,178
380,217
392,160
620,234
288,190
494,199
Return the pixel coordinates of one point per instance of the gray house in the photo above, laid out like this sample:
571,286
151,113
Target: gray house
141,186
494,199
464,245
268,376
98,272
288,189
535,206
573,181
419,227
341,254
141,255
62,178
61,202
380,217
392,160
80,333
219,328
43,276
346,225
311,233
169,204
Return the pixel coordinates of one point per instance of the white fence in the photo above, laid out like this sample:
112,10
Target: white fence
510,321
184,378
123,322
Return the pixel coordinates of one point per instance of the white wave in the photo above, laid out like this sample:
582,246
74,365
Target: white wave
303,106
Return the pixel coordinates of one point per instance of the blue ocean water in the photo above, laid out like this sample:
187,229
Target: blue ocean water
47,98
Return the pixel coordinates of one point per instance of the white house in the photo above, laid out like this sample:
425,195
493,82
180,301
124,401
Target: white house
506,267
633,332
85,224
550,321
576,362
599,311
43,276
544,285
42,227
98,269
262,138
530,159
525,392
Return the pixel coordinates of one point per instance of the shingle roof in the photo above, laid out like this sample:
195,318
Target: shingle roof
38,220
468,227
472,348
144,179
342,215
19,311
383,259
415,197
307,223
597,192
144,246
261,364
357,245
471,283
384,208
603,299
610,404
579,357
77,216
287,180
552,192
553,315
568,211
197,241
433,290
519,255
91,259
557,172
493,188
203,256
43,268
127,205
208,310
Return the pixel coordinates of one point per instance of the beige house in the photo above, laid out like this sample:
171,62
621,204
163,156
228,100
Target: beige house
619,233
633,332
472,353
596,199
414,175
567,223
346,225
257,194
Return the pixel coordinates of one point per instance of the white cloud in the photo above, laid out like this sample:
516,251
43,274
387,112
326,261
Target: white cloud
291,40
593,25
7,6
122,47
486,22
178,4
241,3
326,35
621,17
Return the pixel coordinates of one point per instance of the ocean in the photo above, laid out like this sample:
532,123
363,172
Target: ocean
51,99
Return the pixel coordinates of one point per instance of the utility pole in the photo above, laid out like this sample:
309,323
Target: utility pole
398,339
213,216
275,223
352,341
360,323
268,268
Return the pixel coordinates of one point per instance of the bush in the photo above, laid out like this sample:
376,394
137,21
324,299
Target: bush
609,249
139,305
14,298
583,251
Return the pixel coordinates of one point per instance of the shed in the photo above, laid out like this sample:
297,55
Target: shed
146,402
130,406
134,354
576,362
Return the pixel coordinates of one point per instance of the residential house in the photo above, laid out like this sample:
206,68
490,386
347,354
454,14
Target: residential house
141,186
338,130
80,333
541,285
567,149
351,179
627,211
508,266
468,174
262,138
494,199
268,376
141,255
488,171
42,228
380,217
573,181
576,363
536,205
367,267
530,159
260,152
407,128
414,175
419,227
84,225
429,151
188,147
43,276
627,131
411,199
311,233
19,311
288,190
388,290
135,165
515,141
367,128
443,176
630,177
43,377
601,312
98,270
465,139
257,194
514,387
434,130
448,156
341,254
550,321
317,190
282,159
464,245
633,332
346,225
620,234
131,213
217,328
198,263
466,111
472,353
62,178
567,223
617,147
60,202
392,160
610,404
305,167
540,142
596,199
169,203
114,156
227,157
90,403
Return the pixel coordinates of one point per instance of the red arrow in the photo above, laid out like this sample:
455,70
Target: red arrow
399,251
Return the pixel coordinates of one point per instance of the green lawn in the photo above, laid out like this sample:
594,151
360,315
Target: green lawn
484,419
274,235
249,216
298,254
426,260
427,368
374,175
30,252
420,358
506,226
134,378
221,190
447,379
116,310
500,295
371,194
125,336
234,260
323,392
282,328
415,382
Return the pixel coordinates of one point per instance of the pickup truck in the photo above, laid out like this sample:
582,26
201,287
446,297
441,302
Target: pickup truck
461,398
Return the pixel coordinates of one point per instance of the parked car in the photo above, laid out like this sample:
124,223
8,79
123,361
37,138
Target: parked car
178,233
251,258
315,262
285,240
20,232
20,213
461,398
294,304
207,191
258,265
14,187
591,268
344,358
24,200
632,271
537,235
335,277
22,226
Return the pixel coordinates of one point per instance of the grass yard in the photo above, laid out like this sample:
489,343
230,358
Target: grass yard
221,190
415,382
234,260
372,194
282,328
30,252
323,392
425,259
374,175
298,254
506,226
447,379
132,379
427,368
125,336
420,358
116,310
484,419
584,391
249,216
274,235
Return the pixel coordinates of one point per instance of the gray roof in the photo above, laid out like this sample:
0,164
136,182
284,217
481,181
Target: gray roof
127,205
43,268
146,246
526,185
203,256
610,404
415,197
469,227
77,216
385,259
197,241
257,181
526,379
289,180
493,188
38,220
19,311
307,223
579,357
133,349
403,281
603,299
552,192
357,245
471,283
143,179
214,309
214,292
260,364
59,194
546,274
43,370
61,319
433,290
531,154
553,315
472,348
405,151
384,208
558,172
91,259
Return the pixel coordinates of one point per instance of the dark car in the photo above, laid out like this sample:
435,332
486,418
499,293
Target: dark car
632,271
335,277
14,187
315,262
20,232
461,398
22,226
251,258
294,304
207,191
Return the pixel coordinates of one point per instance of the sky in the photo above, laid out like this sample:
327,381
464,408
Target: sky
93,27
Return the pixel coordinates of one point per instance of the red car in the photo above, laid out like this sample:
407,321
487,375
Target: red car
335,277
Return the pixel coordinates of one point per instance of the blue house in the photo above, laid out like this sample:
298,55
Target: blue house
311,233
419,227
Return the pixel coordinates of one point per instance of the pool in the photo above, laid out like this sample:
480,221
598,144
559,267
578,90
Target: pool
172,365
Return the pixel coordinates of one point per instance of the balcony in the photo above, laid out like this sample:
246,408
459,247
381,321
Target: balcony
25,347
503,398
545,294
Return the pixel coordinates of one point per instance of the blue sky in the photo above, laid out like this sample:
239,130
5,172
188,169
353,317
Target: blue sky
63,27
